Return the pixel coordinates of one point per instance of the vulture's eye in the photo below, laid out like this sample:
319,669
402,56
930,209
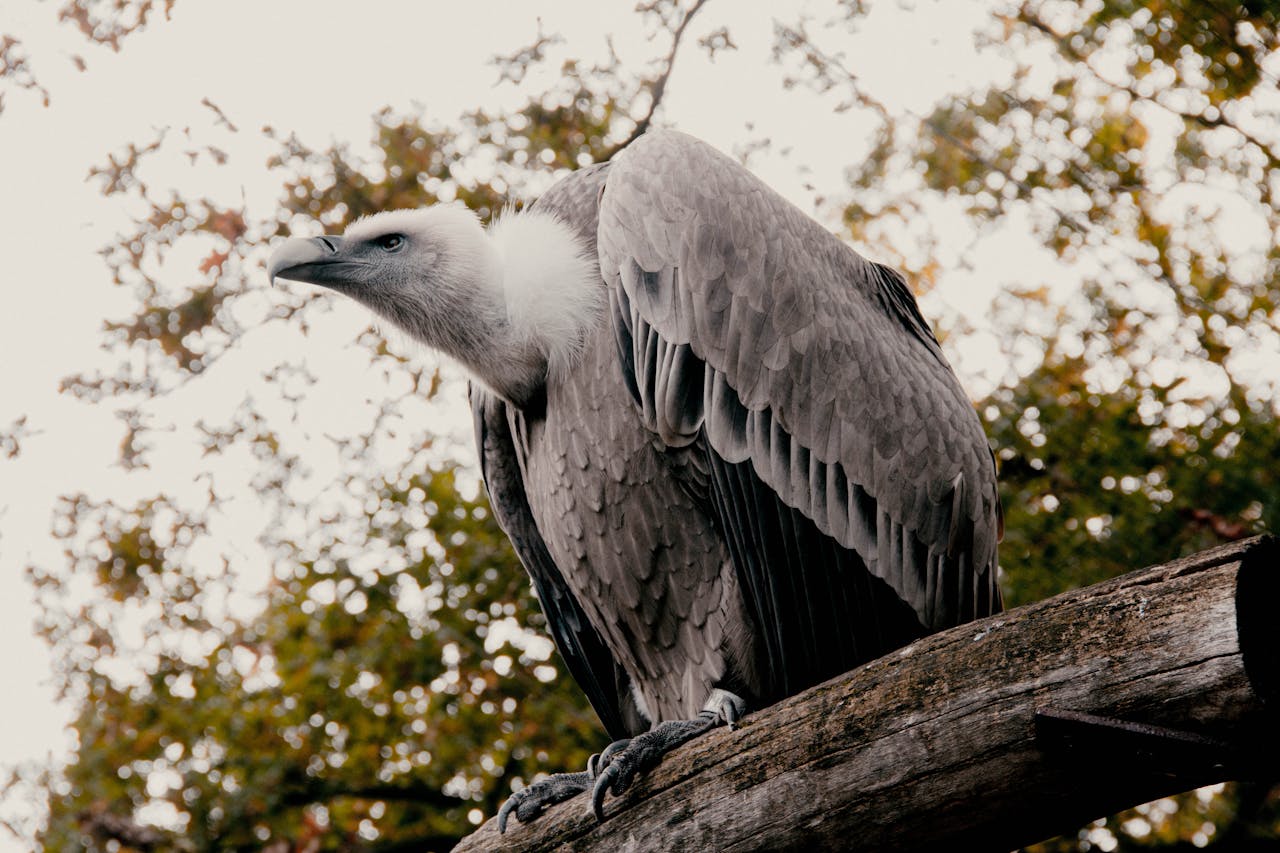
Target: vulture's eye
389,242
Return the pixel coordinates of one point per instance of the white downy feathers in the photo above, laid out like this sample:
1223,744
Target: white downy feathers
552,286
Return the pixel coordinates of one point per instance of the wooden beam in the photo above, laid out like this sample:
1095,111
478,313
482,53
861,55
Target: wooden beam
988,736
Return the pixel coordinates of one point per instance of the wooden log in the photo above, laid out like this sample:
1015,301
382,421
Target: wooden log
1156,682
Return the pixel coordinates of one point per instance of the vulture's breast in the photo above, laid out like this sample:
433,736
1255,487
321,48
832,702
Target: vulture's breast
621,516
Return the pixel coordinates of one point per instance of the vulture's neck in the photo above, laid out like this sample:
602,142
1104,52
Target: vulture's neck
547,297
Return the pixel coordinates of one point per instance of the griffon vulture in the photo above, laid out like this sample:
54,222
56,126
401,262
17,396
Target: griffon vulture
727,448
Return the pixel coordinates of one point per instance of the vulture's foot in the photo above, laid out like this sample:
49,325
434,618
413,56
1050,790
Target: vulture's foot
528,803
622,761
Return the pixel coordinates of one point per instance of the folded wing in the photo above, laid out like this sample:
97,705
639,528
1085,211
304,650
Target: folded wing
851,475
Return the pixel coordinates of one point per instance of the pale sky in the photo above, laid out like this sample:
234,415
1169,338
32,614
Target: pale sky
322,71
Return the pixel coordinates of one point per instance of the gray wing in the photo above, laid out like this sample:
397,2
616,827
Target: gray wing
589,661
831,417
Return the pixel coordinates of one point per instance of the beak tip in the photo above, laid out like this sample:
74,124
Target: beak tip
296,252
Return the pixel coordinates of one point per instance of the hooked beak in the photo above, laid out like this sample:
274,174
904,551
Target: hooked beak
318,260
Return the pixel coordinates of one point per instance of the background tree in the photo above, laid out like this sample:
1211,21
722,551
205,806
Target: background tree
389,686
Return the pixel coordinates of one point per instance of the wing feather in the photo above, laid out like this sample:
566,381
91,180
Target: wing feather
744,324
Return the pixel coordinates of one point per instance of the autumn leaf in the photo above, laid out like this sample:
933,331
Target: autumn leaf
215,261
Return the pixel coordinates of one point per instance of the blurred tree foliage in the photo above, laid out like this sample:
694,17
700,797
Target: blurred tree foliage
363,702
387,687
105,23
1126,136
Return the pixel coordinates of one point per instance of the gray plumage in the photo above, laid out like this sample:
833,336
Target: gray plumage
758,470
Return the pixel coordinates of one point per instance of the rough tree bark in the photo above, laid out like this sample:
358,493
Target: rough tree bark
987,736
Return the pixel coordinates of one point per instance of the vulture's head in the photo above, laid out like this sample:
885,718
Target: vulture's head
419,269
512,303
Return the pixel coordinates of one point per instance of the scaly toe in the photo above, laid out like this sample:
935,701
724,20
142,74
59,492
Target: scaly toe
619,767
532,801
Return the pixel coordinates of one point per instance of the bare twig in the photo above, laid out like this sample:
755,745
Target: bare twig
658,86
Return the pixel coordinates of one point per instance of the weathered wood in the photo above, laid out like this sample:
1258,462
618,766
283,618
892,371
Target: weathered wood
935,746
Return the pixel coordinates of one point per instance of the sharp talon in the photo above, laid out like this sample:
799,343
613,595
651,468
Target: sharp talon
598,794
506,810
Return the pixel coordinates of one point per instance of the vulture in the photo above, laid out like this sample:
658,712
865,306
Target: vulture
727,448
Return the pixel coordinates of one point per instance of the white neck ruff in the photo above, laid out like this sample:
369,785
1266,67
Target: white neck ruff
551,285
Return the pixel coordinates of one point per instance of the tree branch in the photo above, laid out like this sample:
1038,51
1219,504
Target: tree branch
989,736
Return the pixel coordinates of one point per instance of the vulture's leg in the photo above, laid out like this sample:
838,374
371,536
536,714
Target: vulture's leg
623,760
528,803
